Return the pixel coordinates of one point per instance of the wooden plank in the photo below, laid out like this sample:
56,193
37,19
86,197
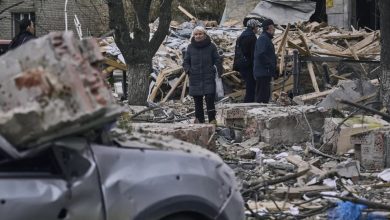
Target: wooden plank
282,45
115,64
326,46
296,193
182,77
160,81
309,64
312,76
108,70
295,46
314,95
365,42
187,13
344,36
355,56
183,91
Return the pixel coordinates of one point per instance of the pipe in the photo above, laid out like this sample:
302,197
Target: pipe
66,15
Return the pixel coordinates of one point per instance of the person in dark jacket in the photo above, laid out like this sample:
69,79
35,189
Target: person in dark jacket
201,63
265,62
26,33
247,42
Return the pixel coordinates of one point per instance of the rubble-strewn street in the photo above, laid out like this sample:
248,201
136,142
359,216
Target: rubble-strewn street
76,144
305,157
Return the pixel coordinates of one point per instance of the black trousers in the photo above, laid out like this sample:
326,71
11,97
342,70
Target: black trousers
263,89
250,85
199,113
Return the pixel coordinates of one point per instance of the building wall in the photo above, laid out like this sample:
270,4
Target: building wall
93,16
341,13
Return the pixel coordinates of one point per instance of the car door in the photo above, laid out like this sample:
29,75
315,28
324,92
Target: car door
58,182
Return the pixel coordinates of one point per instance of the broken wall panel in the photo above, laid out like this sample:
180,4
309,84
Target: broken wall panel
48,84
284,125
372,148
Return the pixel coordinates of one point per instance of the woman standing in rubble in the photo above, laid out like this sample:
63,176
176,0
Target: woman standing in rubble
200,61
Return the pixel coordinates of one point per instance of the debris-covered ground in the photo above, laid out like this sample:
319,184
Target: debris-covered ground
316,156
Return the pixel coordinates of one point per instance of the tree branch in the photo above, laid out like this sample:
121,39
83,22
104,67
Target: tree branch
165,17
118,23
11,6
141,24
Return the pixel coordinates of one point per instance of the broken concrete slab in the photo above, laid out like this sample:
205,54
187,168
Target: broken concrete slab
351,90
199,134
283,12
349,169
372,148
234,115
284,125
51,87
340,136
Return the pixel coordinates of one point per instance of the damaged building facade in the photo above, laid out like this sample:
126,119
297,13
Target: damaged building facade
49,16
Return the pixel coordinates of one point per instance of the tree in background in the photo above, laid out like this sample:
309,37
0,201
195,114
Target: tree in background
384,7
138,49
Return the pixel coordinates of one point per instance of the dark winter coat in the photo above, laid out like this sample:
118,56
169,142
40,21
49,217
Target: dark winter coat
247,44
199,61
20,39
264,57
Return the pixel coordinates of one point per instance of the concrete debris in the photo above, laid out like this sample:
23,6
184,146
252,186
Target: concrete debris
283,12
338,131
291,156
199,134
284,125
50,88
372,148
385,175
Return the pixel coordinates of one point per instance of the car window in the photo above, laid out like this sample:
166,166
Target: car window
42,164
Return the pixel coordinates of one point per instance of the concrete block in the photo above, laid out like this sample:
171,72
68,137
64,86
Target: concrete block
372,148
199,134
340,138
50,87
283,125
234,115
349,169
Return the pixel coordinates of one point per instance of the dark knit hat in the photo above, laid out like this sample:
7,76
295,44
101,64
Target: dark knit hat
267,23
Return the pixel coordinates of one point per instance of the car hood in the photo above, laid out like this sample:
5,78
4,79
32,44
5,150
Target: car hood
163,143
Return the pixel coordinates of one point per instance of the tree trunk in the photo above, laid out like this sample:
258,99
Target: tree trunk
384,6
138,83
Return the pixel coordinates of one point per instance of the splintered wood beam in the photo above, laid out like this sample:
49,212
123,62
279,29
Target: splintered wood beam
160,81
183,75
282,45
313,76
353,52
115,64
187,13
310,65
183,91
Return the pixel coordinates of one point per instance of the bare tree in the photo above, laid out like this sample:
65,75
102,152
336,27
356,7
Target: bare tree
384,7
138,50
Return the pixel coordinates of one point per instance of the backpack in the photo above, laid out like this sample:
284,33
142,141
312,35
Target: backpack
240,61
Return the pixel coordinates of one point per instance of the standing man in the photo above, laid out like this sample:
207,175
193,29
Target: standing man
27,31
245,47
265,62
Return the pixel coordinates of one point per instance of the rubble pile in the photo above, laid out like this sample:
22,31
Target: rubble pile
324,52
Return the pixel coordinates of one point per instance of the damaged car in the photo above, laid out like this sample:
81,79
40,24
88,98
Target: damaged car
140,178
